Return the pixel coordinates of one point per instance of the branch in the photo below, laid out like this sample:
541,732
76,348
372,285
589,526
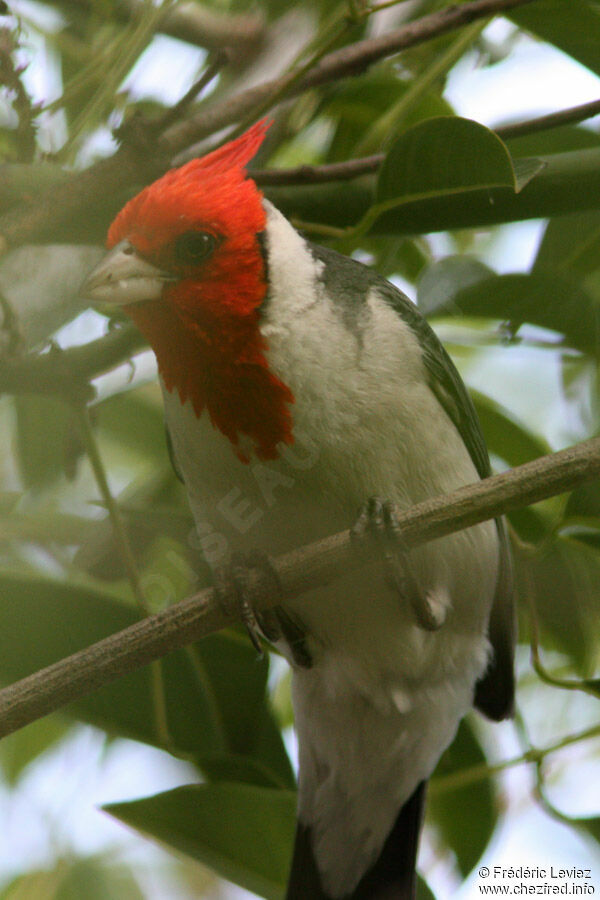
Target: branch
196,24
570,182
463,777
354,168
341,171
144,161
177,111
352,59
67,372
570,116
297,572
208,28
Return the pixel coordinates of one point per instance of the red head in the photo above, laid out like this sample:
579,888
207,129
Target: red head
198,301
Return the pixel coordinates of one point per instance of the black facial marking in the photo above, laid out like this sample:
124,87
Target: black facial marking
262,241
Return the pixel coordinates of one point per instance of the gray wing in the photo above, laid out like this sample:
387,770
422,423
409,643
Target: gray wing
494,693
349,281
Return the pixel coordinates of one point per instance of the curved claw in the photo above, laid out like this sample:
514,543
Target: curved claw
379,518
275,624
233,580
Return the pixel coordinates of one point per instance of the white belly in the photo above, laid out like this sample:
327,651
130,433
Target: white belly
384,697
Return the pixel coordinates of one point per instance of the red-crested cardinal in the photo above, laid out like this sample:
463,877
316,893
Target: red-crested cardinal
297,384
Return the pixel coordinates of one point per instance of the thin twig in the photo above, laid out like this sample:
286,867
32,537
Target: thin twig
67,372
288,83
172,115
133,164
297,572
341,171
553,120
121,539
354,168
350,60
128,559
472,774
391,121
569,684
196,24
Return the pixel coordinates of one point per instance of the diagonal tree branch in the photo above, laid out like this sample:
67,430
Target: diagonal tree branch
353,59
68,372
195,24
354,168
144,159
570,116
299,571
209,28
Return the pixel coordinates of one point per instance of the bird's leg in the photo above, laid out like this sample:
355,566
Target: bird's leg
233,579
379,519
275,623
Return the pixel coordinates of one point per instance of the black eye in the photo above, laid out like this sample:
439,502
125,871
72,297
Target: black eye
194,247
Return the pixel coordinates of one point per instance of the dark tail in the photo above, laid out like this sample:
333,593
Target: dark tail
391,877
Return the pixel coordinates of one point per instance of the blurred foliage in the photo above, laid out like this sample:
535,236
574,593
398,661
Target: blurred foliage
63,583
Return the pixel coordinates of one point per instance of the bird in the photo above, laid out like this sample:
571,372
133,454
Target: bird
305,394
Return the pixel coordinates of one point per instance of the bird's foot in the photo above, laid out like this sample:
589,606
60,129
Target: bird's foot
231,583
378,518
274,623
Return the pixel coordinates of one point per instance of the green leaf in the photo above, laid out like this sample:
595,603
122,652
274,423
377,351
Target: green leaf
24,746
441,281
576,32
512,441
135,419
391,255
215,690
238,768
465,816
552,301
584,500
227,663
92,879
509,439
71,879
147,517
424,892
46,526
571,244
593,685
569,182
592,825
243,832
440,156
556,140
526,170
564,584
355,106
47,446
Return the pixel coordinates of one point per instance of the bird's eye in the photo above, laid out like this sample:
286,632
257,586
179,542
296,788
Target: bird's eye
194,247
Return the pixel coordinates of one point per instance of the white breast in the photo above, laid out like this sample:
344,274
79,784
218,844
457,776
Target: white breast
384,697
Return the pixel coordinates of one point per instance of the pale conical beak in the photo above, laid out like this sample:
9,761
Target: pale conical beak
123,277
